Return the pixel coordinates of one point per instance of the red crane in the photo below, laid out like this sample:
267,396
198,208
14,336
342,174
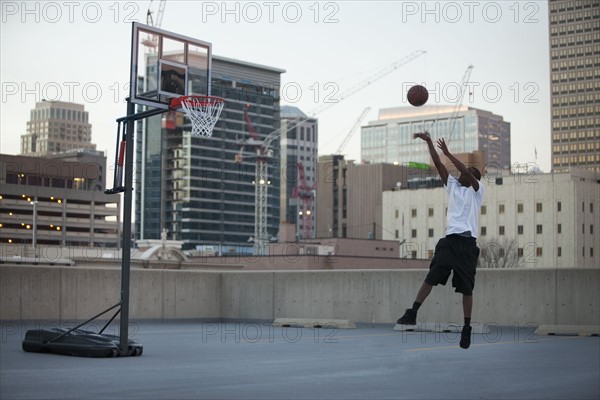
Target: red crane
306,194
261,181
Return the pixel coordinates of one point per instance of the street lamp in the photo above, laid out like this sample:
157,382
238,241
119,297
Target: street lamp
34,238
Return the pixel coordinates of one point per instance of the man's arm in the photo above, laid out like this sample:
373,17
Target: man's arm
441,168
458,164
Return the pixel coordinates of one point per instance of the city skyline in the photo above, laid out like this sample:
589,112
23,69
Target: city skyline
510,75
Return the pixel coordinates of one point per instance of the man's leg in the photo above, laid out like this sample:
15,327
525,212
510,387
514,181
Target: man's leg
465,337
423,293
467,307
438,273
410,316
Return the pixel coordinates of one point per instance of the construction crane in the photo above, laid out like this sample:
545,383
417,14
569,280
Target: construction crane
370,80
306,194
454,115
151,42
263,152
356,88
253,140
261,179
155,22
354,128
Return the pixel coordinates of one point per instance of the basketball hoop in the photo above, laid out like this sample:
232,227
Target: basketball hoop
203,112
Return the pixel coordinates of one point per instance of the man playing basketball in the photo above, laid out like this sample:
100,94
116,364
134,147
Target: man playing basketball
458,251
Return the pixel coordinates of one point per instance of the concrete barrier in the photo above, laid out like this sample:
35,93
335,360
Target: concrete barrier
359,296
502,297
568,330
70,293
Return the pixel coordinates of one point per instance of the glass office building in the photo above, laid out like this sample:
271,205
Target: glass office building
389,139
196,188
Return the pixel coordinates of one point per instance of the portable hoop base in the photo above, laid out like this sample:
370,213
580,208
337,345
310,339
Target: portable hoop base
203,112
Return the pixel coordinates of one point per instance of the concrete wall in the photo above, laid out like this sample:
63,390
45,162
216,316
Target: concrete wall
67,293
517,296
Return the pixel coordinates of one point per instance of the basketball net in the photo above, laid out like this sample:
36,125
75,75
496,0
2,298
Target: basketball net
203,112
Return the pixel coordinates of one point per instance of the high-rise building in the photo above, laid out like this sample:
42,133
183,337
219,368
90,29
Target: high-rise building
55,127
299,142
389,139
197,188
575,83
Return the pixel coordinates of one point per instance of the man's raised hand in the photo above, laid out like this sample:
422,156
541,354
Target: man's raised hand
422,135
441,144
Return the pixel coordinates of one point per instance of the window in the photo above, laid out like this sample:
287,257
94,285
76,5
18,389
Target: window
559,228
538,252
538,229
501,230
520,208
591,229
591,252
483,210
520,229
520,252
397,234
397,213
483,231
538,207
413,233
413,213
559,252
501,209
430,232
430,212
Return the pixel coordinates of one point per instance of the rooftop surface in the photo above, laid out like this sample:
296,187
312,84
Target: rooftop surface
254,360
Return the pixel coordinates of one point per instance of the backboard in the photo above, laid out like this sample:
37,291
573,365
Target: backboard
166,65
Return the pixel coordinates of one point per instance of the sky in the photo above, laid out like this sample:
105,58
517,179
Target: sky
80,51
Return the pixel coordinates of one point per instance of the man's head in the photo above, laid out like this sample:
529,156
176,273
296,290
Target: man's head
464,179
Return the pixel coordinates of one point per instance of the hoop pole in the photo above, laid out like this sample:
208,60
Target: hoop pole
126,247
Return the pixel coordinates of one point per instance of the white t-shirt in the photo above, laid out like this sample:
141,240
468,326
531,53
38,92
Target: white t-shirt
464,204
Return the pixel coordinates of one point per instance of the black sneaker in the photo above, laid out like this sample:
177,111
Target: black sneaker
409,317
465,337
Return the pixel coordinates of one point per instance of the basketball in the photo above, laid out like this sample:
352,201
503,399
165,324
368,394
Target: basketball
417,95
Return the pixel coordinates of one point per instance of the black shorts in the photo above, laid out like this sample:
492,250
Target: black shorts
454,253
